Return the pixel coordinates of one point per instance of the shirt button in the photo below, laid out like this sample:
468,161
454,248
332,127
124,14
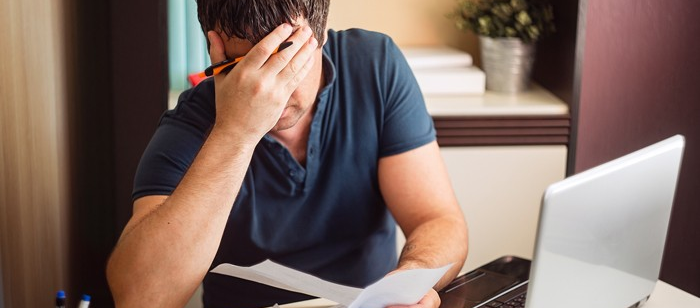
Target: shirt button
291,173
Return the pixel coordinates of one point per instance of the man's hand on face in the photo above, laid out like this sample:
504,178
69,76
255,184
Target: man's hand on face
251,97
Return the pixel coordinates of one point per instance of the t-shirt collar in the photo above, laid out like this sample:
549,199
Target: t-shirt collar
329,74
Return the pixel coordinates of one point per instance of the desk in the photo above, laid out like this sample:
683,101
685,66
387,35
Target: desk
664,296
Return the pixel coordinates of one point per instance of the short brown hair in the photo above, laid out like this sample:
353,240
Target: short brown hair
254,19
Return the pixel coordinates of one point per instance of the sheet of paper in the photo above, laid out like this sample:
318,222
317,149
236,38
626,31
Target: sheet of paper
401,288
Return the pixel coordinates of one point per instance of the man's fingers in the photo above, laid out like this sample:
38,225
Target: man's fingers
281,60
430,300
300,66
262,51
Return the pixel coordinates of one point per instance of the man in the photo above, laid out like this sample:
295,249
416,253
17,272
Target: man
305,157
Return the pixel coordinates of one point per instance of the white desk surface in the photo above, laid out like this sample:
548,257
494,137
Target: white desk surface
667,296
664,296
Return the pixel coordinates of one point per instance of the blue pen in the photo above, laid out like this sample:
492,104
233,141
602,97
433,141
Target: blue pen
60,299
84,301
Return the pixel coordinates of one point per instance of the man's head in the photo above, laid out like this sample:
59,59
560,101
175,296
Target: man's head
254,19
243,23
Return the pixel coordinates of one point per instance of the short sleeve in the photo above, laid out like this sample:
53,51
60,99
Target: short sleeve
177,140
165,161
406,124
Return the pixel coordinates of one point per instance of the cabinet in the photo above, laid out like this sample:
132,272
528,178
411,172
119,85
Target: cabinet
499,189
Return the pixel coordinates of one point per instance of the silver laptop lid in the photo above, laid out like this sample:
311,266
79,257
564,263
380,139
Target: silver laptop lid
602,232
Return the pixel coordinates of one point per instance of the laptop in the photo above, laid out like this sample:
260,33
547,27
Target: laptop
599,242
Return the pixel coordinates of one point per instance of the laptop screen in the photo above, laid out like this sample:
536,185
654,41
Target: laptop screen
602,232
599,243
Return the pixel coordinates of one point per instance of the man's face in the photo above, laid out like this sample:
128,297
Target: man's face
303,98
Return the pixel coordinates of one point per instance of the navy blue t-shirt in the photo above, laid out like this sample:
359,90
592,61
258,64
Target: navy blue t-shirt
327,218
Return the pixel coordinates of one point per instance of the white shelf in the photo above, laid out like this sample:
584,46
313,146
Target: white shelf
536,101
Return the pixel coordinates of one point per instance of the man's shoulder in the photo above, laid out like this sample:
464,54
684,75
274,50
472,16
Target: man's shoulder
195,107
358,34
202,91
358,52
351,39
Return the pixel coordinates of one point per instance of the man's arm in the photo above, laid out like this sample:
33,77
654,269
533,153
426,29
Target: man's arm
418,192
169,243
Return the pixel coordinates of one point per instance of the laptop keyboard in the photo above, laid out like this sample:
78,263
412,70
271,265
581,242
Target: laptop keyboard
512,299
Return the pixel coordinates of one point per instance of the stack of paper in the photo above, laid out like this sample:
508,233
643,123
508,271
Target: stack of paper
442,70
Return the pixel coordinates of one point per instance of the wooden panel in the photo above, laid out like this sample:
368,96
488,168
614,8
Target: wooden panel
555,59
473,122
498,141
639,80
33,194
509,132
493,131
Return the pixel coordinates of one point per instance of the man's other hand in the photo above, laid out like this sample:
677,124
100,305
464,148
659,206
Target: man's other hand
430,300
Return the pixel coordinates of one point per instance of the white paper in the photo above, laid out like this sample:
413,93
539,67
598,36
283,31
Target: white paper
401,288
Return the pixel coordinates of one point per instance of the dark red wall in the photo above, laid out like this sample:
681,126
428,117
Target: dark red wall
119,92
640,83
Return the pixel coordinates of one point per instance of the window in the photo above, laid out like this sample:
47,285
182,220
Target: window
187,48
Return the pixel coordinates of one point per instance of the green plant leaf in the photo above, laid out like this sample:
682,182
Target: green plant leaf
529,20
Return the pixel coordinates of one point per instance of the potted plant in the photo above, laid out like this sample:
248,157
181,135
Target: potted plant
508,31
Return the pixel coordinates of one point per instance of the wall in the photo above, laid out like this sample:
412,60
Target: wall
639,75
33,160
408,22
118,91
91,132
